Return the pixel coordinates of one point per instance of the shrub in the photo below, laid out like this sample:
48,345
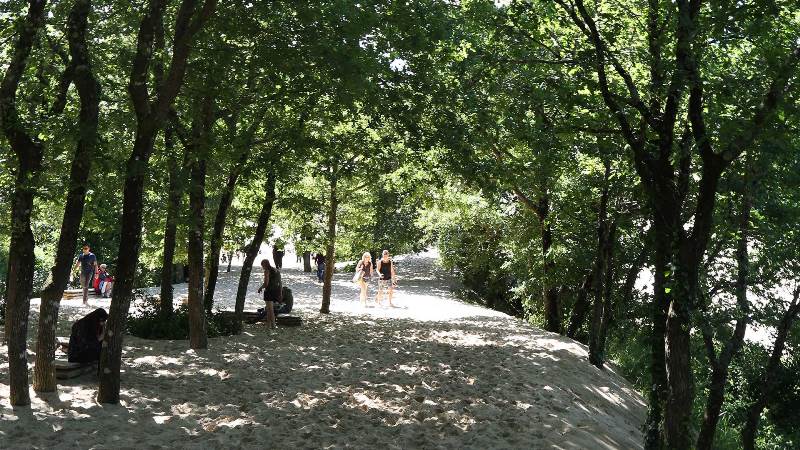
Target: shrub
150,324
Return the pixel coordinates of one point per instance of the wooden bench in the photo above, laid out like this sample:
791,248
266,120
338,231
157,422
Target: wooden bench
77,294
66,370
283,319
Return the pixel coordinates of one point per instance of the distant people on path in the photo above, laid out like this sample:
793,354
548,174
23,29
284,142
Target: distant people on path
273,291
86,338
106,282
387,278
88,267
364,276
277,253
320,261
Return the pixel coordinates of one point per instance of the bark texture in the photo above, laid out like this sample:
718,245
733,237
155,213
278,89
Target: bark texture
330,249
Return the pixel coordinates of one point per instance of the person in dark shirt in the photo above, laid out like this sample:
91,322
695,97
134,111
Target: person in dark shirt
88,267
387,277
273,291
277,253
320,260
86,338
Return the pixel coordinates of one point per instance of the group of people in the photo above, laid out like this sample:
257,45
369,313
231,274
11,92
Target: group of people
92,275
384,270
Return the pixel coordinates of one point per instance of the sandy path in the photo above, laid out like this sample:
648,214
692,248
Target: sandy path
432,373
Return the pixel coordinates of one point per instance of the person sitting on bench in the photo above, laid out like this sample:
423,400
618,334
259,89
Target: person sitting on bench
106,282
286,303
86,339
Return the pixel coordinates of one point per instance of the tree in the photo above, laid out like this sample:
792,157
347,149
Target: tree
29,151
150,116
80,73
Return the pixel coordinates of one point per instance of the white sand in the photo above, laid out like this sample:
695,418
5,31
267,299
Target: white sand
432,373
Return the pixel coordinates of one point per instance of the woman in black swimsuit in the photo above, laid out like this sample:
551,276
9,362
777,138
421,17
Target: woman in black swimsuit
388,279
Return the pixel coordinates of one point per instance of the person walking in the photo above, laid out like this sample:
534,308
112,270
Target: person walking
387,278
278,250
320,260
88,268
273,291
364,276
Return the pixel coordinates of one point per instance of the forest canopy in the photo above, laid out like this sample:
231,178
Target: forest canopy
624,173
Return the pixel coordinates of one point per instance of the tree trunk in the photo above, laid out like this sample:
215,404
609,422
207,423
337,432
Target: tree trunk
230,261
198,337
578,315
306,261
658,371
130,242
552,310
255,245
215,244
330,251
171,228
89,92
21,259
598,313
720,366
766,386
608,289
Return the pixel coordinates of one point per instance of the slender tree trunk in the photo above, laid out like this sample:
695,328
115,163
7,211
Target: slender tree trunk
306,261
255,245
330,251
595,352
21,260
578,315
215,244
198,337
720,366
608,289
130,242
230,261
658,370
89,92
171,228
766,386
552,309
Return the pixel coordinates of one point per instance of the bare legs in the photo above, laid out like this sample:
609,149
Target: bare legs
364,292
387,286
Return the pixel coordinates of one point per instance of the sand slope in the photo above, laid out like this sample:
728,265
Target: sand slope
432,373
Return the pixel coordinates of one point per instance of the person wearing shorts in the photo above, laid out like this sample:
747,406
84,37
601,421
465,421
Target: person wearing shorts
88,268
387,278
365,268
273,291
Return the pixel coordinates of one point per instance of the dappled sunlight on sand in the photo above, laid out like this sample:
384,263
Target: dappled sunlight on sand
432,373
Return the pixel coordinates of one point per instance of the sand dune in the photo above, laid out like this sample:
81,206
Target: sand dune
432,373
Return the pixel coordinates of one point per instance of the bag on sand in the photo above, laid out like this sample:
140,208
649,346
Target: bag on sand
357,277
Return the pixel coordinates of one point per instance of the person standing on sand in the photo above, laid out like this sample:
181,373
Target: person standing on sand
320,260
88,264
277,253
387,277
364,275
273,291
